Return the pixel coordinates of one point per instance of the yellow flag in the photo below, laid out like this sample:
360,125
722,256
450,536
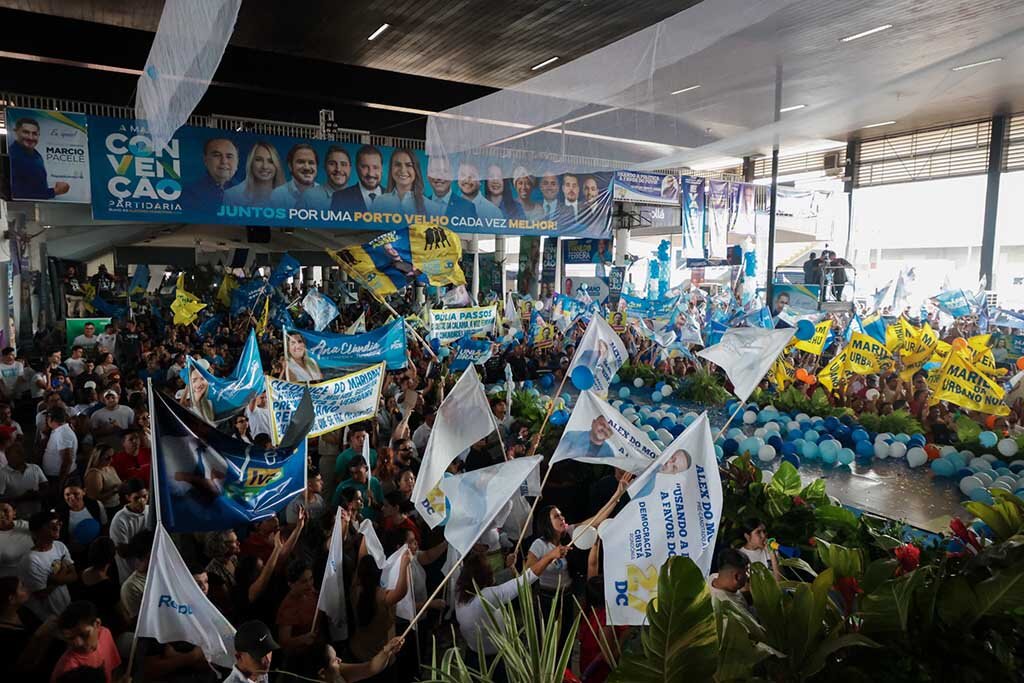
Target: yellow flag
896,333
865,355
88,294
960,382
227,285
835,372
436,252
782,373
261,324
980,342
918,349
816,343
358,265
185,305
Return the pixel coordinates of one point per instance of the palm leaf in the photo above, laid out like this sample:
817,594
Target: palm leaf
681,643
816,662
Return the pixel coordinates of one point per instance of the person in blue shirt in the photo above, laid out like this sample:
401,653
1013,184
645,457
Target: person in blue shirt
28,170
220,157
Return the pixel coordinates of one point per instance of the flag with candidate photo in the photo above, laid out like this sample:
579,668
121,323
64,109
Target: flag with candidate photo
597,433
208,480
746,354
598,357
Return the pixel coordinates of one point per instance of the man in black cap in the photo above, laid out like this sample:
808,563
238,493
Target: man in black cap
254,650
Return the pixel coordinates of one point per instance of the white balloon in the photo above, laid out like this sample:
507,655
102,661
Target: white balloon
1007,448
792,424
760,432
985,478
968,484
897,449
586,539
766,453
881,450
772,427
749,417
917,456
989,458
1001,485
946,450
883,436
802,417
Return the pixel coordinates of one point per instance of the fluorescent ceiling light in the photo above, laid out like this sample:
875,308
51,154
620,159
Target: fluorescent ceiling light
544,64
3,131
962,67
375,34
793,108
680,92
870,31
878,125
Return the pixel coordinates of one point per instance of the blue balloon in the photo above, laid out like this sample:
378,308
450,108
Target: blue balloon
615,379
788,448
943,468
735,433
775,441
988,439
811,435
792,459
623,392
810,450
559,417
547,380
652,422
528,384
86,531
582,377
667,423
832,423
793,434
829,457
859,435
567,398
845,456
804,330
866,449
730,447
981,495
751,445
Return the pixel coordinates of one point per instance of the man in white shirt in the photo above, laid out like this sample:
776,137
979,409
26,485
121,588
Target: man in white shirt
108,422
47,569
422,433
129,520
88,339
76,363
22,484
11,374
732,576
108,340
259,415
15,540
254,651
61,447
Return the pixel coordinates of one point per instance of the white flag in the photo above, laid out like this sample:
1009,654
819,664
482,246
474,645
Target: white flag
510,384
332,591
390,569
599,434
320,308
746,354
463,418
359,326
174,608
457,296
477,497
674,510
599,356
186,51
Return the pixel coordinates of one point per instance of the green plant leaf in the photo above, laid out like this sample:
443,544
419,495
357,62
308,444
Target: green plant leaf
805,617
878,572
1003,518
887,609
816,662
814,493
737,653
836,517
798,563
682,635
1003,592
777,503
786,480
767,596
842,560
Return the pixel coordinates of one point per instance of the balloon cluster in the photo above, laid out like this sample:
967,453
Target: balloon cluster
979,475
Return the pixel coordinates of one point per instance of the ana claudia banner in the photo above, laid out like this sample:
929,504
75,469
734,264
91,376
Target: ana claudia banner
49,155
207,175
646,188
311,353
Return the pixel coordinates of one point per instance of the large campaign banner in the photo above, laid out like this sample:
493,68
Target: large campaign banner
801,299
336,402
450,324
208,175
693,217
329,351
646,188
576,252
49,155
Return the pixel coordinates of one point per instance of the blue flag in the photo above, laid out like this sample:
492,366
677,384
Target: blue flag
219,398
855,325
108,309
207,480
140,280
954,302
287,267
246,296
320,308
210,325
346,351
470,351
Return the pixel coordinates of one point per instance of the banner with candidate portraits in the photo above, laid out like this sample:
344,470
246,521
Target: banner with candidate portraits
311,353
49,156
646,188
208,175
336,402
577,252
693,217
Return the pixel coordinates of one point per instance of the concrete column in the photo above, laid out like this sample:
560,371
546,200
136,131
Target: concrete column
474,289
499,258
621,245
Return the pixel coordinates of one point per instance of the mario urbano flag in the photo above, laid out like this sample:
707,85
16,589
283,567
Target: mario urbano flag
208,480
175,609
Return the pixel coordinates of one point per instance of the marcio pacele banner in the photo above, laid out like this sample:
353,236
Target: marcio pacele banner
208,175
49,156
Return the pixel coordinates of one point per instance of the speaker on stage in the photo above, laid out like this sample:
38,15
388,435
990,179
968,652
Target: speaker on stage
257,234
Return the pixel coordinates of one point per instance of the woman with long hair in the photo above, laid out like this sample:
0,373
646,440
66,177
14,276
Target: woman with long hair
374,605
263,173
756,548
404,191
301,368
476,595
502,193
196,395
102,482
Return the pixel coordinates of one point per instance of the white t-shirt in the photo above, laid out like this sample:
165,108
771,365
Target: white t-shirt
35,570
14,545
10,374
85,342
315,509
14,483
259,421
725,596
122,530
122,416
76,366
557,572
61,438
421,436
758,556
76,517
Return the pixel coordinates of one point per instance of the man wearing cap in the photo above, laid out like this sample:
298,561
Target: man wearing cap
254,651
108,422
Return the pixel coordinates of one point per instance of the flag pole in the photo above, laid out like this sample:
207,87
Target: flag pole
154,471
430,599
284,342
544,481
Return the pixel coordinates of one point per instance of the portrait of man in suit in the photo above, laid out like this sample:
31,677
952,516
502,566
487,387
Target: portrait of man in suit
362,195
439,176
